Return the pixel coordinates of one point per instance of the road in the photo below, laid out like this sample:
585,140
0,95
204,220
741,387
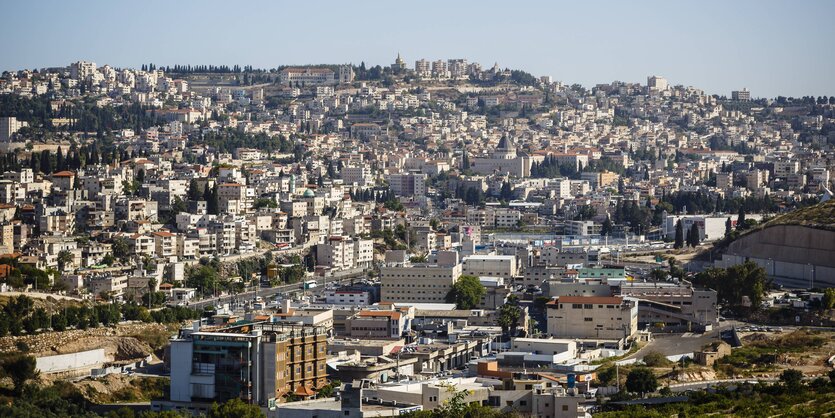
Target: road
267,293
674,344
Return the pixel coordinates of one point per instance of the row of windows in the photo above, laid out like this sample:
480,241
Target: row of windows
414,285
587,306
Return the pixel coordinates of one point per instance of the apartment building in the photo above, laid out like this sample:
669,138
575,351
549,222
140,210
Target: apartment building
361,176
257,363
377,324
592,317
417,283
408,184
337,253
672,304
504,266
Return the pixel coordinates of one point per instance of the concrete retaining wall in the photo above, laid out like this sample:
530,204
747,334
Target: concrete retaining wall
66,362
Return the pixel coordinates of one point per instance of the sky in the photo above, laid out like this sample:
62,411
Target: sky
770,47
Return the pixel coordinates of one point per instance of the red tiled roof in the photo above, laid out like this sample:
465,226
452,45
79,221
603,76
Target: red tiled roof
372,314
303,391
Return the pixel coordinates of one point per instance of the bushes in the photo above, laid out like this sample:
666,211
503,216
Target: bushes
656,359
18,316
641,380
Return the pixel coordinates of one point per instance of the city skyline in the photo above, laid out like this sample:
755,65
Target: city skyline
746,47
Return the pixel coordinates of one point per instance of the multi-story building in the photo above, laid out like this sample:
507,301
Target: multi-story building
307,76
592,317
657,83
503,160
418,283
741,95
490,266
365,130
360,176
377,324
672,304
9,126
582,228
82,69
337,253
423,68
408,184
258,363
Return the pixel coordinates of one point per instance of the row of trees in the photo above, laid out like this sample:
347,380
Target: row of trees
551,167
20,316
62,399
229,140
700,202
692,239
85,115
739,287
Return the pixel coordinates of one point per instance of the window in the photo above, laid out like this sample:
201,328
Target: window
565,407
523,403
587,319
588,306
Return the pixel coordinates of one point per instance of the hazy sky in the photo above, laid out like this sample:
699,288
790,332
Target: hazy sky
771,47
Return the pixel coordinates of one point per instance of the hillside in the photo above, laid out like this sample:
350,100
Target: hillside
820,216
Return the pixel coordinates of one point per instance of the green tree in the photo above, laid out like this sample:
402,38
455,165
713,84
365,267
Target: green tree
736,283
235,408
64,257
466,293
679,241
194,190
641,380
828,301
740,219
328,390
46,162
792,379
606,228
508,318
655,359
506,192
212,201
204,278
121,248
694,236
19,368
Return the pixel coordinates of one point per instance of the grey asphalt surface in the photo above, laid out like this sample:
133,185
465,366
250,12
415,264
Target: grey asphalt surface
270,291
673,344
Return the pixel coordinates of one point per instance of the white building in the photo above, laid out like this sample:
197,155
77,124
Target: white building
408,184
490,266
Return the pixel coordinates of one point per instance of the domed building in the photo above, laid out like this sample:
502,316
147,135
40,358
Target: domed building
503,160
399,64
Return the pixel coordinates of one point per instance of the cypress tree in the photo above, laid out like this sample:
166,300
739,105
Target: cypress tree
193,190
46,162
207,194
694,236
740,220
59,160
679,241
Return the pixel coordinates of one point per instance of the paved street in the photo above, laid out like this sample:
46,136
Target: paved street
266,293
673,344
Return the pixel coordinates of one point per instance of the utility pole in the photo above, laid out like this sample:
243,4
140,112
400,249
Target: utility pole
617,375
